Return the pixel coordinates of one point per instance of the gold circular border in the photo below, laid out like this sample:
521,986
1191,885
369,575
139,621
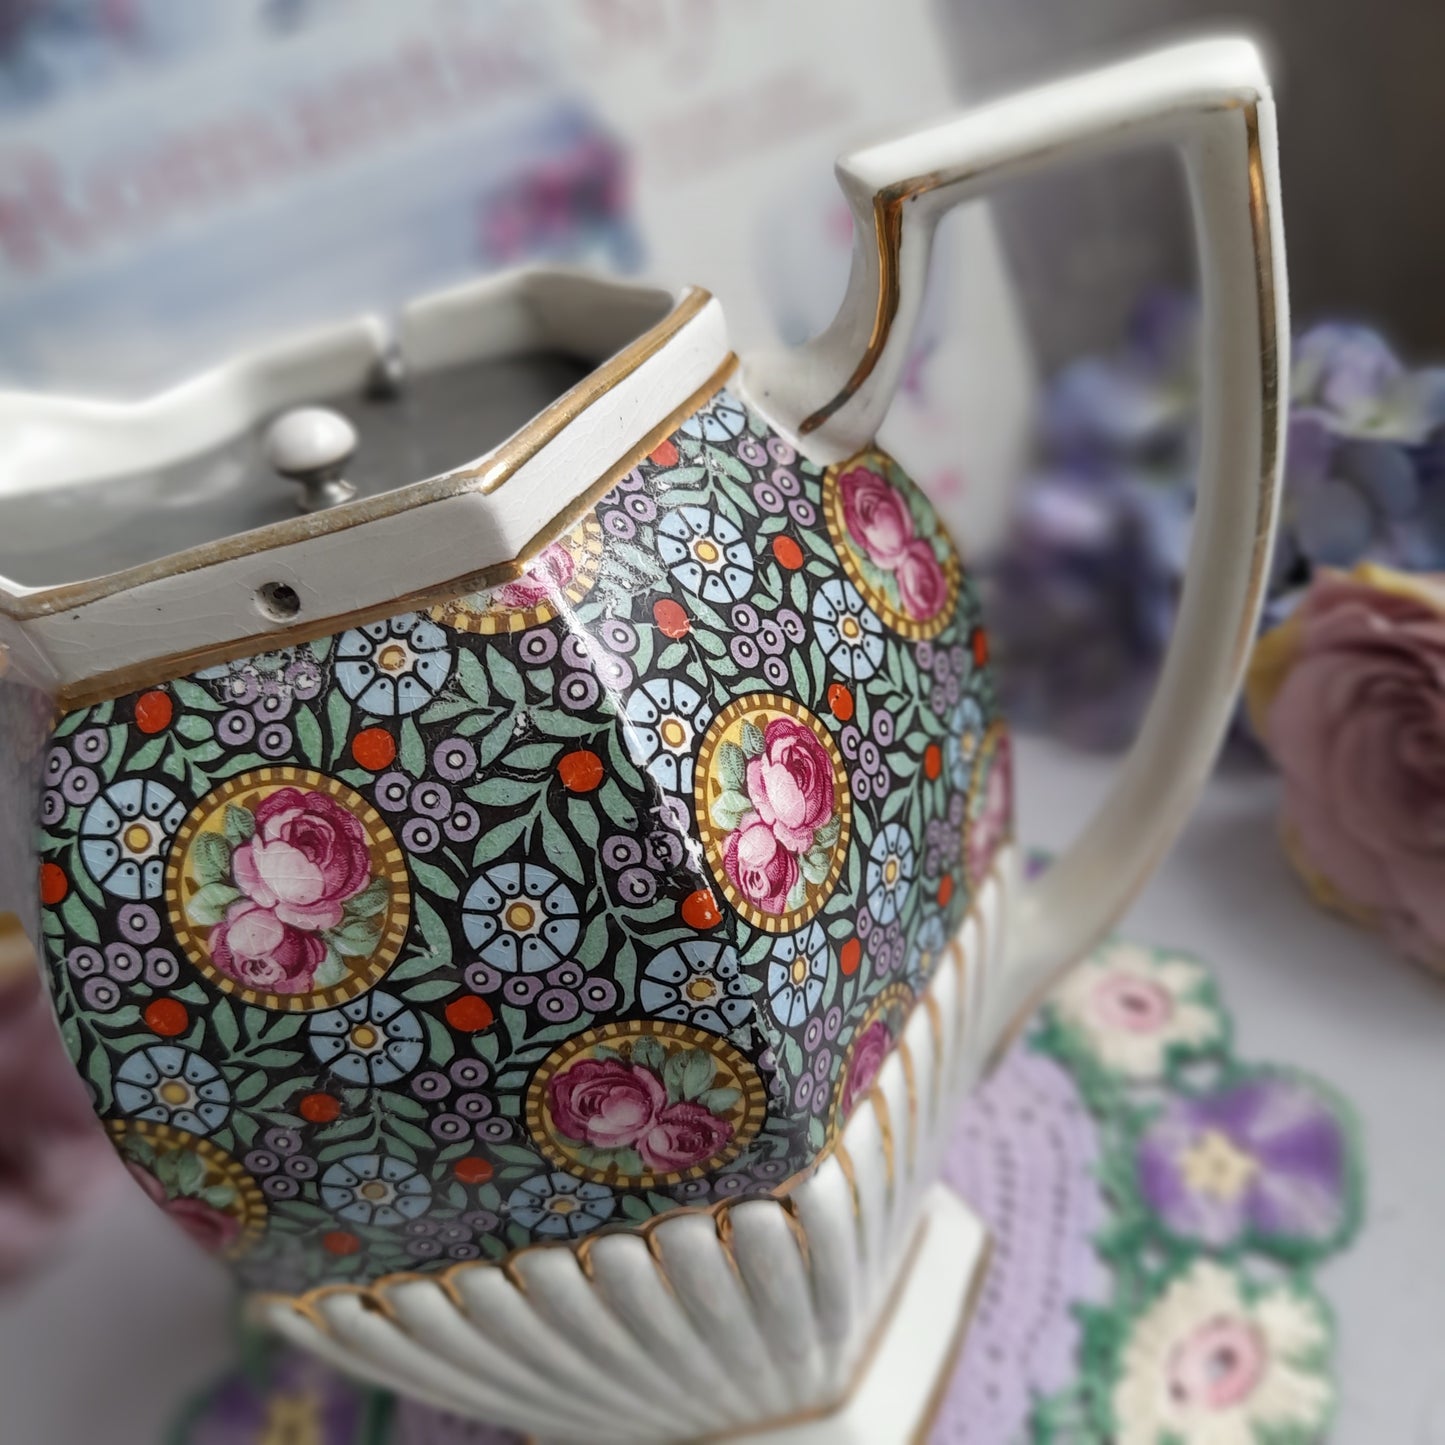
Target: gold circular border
585,541
995,734
897,994
252,1212
380,836
899,621
712,838
539,1119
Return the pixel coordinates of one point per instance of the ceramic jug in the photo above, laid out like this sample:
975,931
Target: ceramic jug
537,921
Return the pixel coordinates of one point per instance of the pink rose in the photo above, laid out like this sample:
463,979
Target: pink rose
252,945
604,1102
552,570
761,868
683,1135
1349,698
213,1229
791,783
922,586
308,856
868,1055
877,516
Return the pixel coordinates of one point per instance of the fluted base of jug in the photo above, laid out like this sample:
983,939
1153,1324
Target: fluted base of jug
900,1382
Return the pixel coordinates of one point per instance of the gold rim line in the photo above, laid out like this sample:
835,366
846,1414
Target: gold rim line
780,1194
887,219
486,476
163,669
1262,231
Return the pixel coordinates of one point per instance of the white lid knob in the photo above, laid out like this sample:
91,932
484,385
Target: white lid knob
312,445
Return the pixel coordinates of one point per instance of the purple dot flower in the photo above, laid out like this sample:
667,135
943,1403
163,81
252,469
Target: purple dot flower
454,759
1266,1158
538,646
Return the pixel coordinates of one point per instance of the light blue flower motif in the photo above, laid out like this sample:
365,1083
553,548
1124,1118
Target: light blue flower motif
393,667
698,982
847,629
706,554
664,717
374,1039
521,917
966,727
168,1084
124,836
559,1206
928,946
375,1189
797,973
720,422
889,877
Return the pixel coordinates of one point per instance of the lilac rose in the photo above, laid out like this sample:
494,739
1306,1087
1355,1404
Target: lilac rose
1349,698
760,867
255,947
922,585
215,1230
547,575
791,784
682,1135
308,856
876,515
604,1102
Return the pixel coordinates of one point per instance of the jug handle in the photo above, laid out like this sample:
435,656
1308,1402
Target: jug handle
1211,100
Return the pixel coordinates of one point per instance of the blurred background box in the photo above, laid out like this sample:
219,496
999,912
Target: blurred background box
178,181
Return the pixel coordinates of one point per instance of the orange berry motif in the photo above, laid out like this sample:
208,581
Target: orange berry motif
167,1017
980,647
153,711
54,885
319,1108
699,910
945,891
850,956
472,1170
340,1241
840,701
469,1014
788,553
932,760
374,749
671,619
664,454
581,771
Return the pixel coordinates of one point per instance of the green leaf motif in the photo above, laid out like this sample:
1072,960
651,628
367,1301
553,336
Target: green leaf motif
698,1072
211,858
719,1101
728,809
370,901
78,920
308,736
355,939
799,894
649,1054
413,750
207,906
752,739
505,677
433,879
732,766
239,824
816,862
473,678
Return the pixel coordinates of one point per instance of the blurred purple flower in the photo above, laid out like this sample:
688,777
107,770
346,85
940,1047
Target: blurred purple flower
1085,587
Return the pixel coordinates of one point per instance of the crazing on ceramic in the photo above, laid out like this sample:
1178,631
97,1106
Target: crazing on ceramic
541,911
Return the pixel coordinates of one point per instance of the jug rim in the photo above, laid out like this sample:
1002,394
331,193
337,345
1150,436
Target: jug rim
102,635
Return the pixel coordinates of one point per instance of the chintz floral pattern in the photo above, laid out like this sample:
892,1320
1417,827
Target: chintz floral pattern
541,910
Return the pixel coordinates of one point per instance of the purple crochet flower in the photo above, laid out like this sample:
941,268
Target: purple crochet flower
1263,1159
